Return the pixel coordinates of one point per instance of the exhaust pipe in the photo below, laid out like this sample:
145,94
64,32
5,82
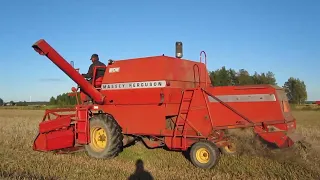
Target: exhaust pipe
43,48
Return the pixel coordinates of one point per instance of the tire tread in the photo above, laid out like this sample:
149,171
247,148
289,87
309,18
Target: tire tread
114,138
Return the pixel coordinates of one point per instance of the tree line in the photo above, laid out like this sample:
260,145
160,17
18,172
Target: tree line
63,100
22,103
294,87
231,77
12,103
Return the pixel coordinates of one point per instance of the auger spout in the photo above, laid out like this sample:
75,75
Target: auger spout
43,48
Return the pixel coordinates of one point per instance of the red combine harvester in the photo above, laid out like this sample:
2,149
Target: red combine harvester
163,102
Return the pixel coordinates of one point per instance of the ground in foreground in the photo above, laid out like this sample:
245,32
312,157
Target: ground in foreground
18,161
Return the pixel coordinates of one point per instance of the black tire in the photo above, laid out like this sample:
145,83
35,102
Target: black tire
207,149
111,132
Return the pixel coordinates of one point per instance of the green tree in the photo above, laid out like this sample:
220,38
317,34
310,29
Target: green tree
1,102
220,77
52,101
296,90
230,77
244,78
256,78
22,103
271,79
233,77
264,78
63,100
12,103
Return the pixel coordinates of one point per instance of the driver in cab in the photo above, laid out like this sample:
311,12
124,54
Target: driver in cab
95,62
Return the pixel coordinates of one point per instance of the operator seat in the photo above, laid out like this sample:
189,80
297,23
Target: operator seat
98,81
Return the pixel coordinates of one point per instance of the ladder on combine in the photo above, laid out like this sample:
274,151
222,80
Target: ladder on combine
179,140
82,125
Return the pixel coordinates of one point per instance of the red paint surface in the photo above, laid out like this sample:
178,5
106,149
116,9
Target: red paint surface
144,111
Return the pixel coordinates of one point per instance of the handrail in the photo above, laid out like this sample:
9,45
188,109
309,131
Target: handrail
194,74
205,59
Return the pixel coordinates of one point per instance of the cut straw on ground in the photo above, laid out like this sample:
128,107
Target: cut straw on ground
254,160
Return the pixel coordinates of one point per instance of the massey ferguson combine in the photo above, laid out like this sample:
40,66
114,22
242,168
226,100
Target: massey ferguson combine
163,102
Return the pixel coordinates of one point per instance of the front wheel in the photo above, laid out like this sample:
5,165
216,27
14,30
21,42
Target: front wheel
105,136
204,154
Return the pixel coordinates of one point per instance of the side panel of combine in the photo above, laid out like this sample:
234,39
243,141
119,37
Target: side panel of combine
176,73
192,122
256,104
284,104
263,107
139,119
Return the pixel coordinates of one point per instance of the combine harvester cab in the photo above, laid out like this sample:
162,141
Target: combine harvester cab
163,102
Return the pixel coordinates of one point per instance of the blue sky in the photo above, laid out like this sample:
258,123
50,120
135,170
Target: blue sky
280,36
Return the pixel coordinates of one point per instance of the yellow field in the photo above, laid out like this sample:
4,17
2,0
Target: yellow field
19,161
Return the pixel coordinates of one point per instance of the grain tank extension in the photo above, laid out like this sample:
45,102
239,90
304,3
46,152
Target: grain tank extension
164,102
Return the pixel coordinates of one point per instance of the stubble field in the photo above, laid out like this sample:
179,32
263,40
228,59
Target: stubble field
254,161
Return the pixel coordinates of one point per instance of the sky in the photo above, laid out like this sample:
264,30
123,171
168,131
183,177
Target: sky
278,36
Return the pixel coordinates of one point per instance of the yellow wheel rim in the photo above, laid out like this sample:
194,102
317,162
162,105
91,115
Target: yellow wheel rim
203,155
98,138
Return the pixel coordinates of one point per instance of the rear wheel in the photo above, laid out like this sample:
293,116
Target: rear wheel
105,136
204,154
